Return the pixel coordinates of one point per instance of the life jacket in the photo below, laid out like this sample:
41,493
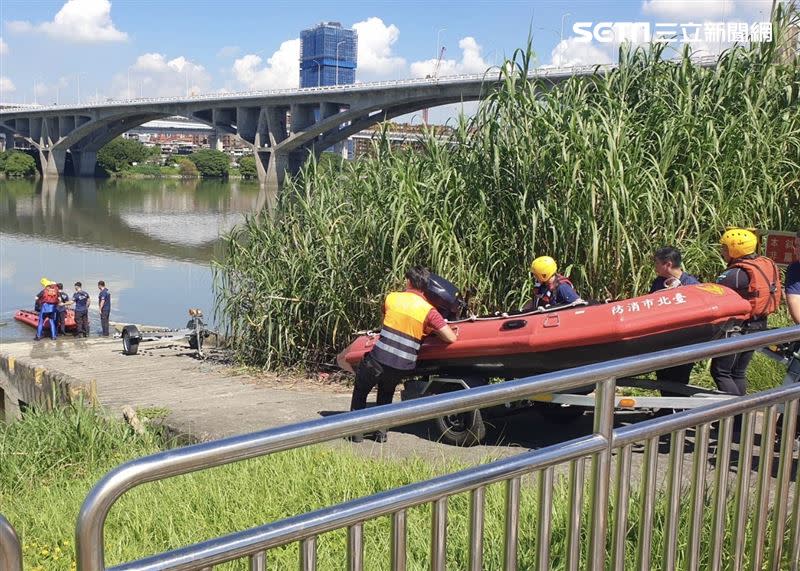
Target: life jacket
764,290
402,330
547,296
50,294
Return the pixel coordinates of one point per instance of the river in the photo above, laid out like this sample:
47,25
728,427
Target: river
152,241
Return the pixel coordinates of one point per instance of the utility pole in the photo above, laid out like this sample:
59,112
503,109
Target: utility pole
434,76
337,60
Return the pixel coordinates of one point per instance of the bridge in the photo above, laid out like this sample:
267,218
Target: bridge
283,127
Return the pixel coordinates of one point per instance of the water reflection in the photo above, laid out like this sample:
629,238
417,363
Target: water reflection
151,240
178,219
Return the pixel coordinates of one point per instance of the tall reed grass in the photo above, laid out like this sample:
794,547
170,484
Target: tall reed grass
597,172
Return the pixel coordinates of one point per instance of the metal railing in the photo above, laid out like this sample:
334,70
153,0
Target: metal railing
538,73
599,447
10,548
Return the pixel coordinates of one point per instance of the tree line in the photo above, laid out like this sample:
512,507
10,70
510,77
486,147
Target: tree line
123,154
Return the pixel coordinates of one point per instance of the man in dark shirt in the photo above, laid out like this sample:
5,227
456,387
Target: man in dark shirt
667,264
793,283
81,300
104,300
61,310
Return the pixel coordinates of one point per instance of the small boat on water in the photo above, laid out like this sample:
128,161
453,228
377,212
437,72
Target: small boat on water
512,346
32,318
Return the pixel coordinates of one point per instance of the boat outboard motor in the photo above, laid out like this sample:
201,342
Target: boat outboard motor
445,297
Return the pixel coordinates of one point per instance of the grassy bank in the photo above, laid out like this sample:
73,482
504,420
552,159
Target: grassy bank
597,172
51,460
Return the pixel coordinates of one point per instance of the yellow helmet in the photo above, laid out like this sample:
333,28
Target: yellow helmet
740,242
544,268
45,282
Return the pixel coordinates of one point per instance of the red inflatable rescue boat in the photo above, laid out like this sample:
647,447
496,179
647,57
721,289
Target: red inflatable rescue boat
32,318
554,339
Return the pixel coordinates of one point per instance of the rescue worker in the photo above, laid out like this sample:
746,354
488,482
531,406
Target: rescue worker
407,318
61,309
757,279
793,283
670,274
552,289
49,300
104,301
82,300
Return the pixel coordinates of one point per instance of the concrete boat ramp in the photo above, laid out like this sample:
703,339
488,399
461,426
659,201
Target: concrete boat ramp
204,399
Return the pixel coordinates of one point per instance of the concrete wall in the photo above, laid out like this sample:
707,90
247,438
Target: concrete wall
23,385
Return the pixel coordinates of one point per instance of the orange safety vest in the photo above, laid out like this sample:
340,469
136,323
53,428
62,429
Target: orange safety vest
50,294
764,290
402,330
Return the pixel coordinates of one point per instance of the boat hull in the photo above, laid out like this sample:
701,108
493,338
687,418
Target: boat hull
31,318
539,342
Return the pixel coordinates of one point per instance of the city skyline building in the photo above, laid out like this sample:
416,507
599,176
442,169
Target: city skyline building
328,55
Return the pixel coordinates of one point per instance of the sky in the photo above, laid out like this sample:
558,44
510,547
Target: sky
59,50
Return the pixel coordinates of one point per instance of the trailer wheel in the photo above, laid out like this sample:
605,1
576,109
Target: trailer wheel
130,340
463,428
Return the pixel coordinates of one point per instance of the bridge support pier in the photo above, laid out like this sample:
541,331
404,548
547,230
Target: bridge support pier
52,162
274,167
214,141
84,162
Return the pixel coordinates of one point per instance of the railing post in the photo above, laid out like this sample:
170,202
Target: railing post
601,473
476,526
512,524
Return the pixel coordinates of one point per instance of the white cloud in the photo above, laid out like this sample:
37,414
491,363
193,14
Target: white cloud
375,57
78,21
153,75
228,51
19,26
3,47
471,61
6,85
574,52
281,71
688,9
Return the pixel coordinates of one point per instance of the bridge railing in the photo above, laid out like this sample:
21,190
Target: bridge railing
773,511
10,547
541,72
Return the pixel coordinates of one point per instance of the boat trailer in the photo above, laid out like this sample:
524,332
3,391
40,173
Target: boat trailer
466,429
195,333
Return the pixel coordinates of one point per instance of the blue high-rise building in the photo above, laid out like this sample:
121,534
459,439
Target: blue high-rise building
328,55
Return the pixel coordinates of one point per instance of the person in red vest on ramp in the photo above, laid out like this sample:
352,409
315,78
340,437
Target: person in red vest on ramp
48,299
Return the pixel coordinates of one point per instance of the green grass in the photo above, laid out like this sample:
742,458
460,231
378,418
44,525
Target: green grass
597,172
51,460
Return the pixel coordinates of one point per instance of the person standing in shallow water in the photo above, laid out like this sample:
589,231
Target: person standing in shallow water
81,300
104,301
61,309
